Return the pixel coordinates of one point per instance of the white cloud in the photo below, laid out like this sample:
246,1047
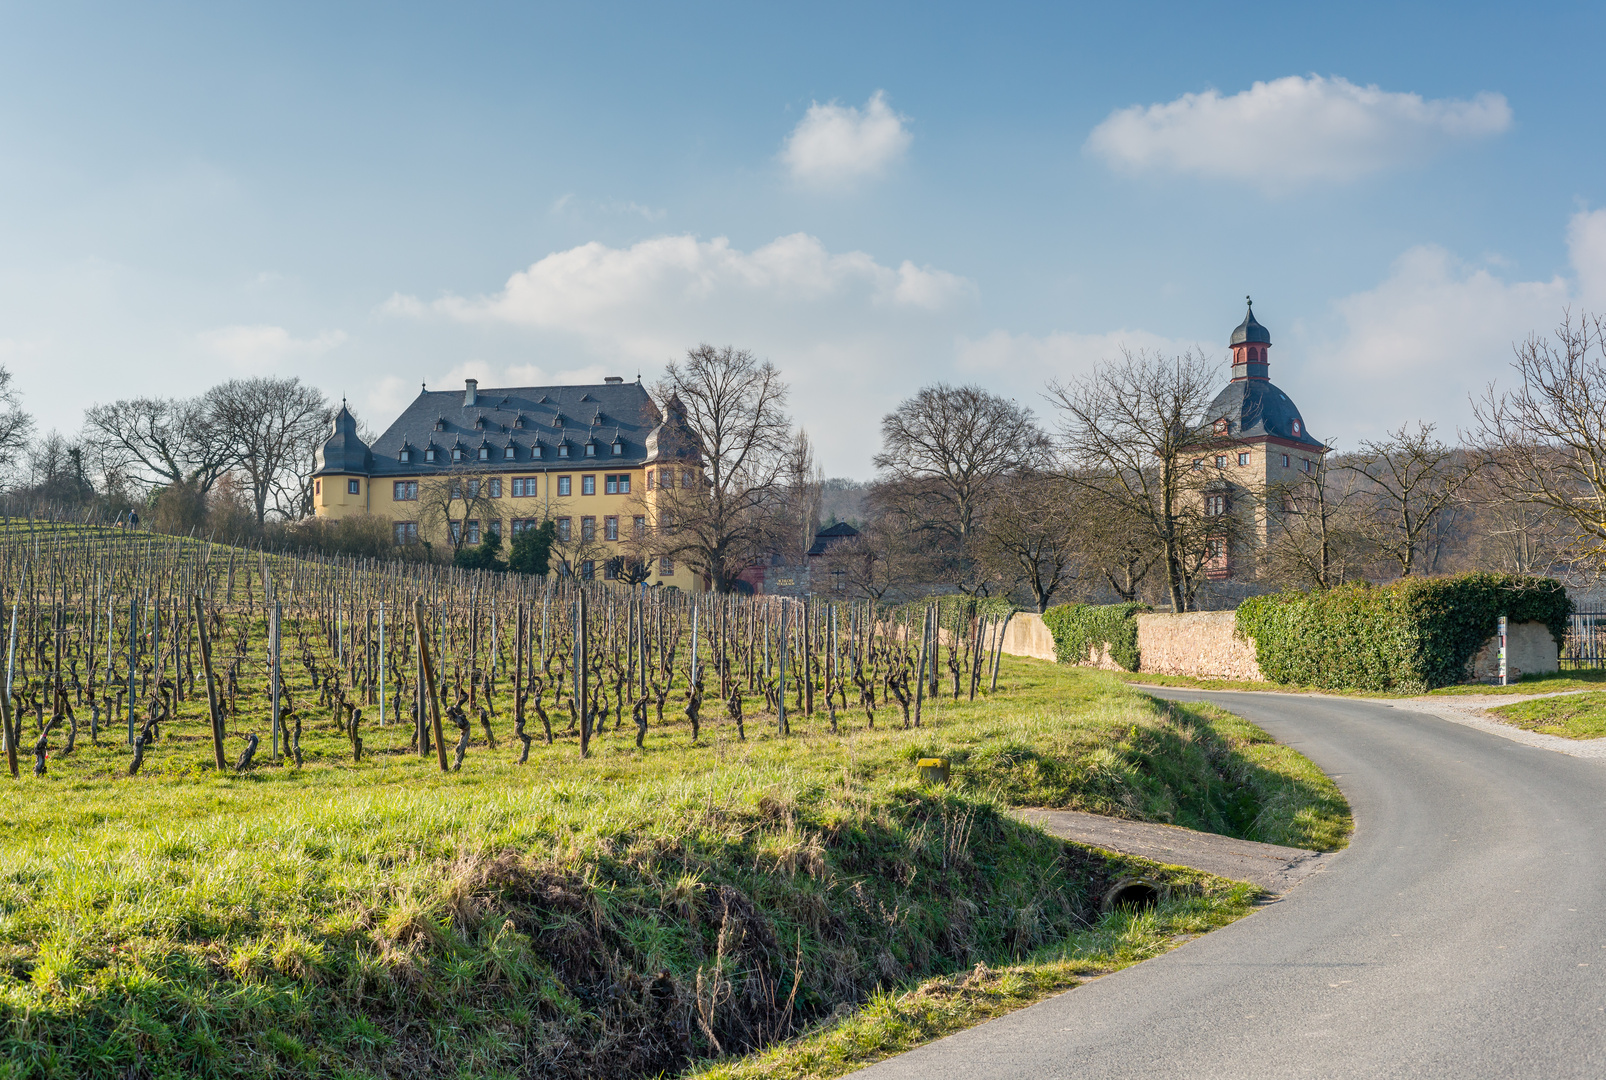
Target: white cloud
851,334
1292,130
255,348
837,144
1437,330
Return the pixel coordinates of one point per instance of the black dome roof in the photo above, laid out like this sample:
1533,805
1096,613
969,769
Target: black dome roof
1250,330
343,451
1255,407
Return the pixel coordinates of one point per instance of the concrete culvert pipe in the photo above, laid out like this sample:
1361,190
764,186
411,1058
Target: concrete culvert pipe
1137,893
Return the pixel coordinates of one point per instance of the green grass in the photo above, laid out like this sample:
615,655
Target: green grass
1574,716
1529,684
624,914
892,1022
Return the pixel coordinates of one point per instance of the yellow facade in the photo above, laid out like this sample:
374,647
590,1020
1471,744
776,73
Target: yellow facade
586,509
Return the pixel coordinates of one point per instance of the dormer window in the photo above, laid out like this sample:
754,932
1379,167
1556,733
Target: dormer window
479,423
518,421
563,450
429,455
596,421
457,453
405,456
557,420
485,453
440,424
618,448
508,452
591,449
535,452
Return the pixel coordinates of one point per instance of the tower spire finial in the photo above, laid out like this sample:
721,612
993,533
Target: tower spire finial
1251,300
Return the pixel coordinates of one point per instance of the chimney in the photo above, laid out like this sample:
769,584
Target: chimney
471,388
612,379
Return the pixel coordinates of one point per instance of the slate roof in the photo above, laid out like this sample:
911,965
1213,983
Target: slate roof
536,420
1250,330
830,536
1256,408
343,451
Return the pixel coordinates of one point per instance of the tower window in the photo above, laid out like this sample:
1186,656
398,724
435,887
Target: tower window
1221,461
353,487
1243,459
1285,461
1296,427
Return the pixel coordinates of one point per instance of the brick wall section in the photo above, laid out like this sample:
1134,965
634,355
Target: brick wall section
1195,643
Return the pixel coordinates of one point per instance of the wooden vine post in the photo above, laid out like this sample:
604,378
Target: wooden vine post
5,709
211,686
428,667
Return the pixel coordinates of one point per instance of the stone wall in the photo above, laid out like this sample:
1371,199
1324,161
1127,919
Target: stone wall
1028,635
1530,650
1198,643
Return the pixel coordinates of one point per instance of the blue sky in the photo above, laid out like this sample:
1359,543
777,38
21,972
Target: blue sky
373,197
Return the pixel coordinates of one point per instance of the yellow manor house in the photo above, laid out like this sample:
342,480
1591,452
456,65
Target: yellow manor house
593,459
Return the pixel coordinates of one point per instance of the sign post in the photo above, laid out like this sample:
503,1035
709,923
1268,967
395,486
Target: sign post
1503,651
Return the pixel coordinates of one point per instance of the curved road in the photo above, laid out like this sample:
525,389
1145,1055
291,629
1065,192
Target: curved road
1462,934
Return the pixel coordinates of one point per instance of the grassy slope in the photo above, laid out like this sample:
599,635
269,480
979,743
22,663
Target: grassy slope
1528,684
1575,716
565,917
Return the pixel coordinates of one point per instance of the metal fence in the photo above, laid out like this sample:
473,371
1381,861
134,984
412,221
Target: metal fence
1585,646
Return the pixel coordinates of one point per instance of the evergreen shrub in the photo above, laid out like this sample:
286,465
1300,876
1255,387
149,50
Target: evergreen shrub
1079,629
1408,636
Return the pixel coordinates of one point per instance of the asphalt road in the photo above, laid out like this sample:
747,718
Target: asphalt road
1462,933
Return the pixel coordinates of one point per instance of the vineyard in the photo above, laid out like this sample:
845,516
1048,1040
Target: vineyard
275,816
136,641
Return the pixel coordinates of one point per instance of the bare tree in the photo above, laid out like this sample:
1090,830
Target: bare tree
732,406
272,426
16,426
158,442
1031,539
1129,431
1548,437
1411,481
885,560
943,452
798,515
1315,535
447,501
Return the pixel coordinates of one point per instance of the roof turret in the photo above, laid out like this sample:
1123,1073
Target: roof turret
343,451
1250,330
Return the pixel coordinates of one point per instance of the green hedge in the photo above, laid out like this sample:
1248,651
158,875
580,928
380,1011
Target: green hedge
1079,628
1409,636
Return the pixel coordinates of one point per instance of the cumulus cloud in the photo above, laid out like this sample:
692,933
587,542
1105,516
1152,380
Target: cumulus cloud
1435,331
254,348
1292,131
852,334
837,144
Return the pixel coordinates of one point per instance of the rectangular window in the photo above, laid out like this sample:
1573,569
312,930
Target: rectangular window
473,489
495,486
406,532
508,452
641,526
457,531
405,491
1215,505
1243,459
353,487
564,485
563,529
666,566
588,529
317,487
405,456
650,475
610,570
688,479
429,455
1221,461
610,528
472,532
588,570
588,485
524,487
618,484
520,524
611,486
1216,548
591,449
1285,461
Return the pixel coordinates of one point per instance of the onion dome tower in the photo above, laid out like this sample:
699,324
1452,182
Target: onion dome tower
1250,407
